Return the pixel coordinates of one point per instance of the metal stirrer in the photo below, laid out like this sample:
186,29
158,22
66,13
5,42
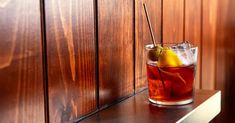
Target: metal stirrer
153,39
149,25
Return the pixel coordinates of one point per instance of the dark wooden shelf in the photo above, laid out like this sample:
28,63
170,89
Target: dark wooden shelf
138,109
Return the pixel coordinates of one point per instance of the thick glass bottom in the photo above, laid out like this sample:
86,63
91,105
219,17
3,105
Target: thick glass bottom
182,102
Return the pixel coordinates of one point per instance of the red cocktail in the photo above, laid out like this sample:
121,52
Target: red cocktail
170,75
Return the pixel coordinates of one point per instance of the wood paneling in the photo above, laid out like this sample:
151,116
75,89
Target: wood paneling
142,37
225,58
193,31
71,52
21,74
173,21
116,53
71,59
209,43
218,53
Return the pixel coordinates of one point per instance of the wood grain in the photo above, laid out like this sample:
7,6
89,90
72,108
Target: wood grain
116,40
193,31
142,37
21,75
173,21
225,58
71,59
138,109
209,43
218,53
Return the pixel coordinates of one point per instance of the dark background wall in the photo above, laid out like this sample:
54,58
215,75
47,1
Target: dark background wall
61,60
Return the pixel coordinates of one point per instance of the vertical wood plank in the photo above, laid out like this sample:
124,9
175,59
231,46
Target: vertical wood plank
218,50
209,43
116,40
225,58
193,31
173,21
71,59
142,37
21,74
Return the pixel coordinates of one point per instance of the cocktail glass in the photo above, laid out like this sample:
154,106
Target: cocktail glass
171,70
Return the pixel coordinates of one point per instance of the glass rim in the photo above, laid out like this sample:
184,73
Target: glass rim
151,46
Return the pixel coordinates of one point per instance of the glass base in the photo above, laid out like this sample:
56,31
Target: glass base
183,102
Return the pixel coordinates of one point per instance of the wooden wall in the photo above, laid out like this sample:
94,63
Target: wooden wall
218,48
61,60
142,36
115,50
21,73
71,59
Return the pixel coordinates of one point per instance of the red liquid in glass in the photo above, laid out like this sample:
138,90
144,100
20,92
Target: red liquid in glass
170,84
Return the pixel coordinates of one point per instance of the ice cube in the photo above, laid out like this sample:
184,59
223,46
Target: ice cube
184,52
184,45
195,53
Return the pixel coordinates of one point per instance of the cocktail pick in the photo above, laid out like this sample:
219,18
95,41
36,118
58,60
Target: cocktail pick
153,38
149,25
